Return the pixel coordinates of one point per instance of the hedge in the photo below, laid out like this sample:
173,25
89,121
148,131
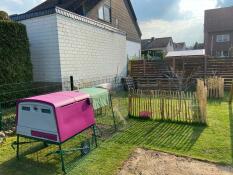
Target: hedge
15,62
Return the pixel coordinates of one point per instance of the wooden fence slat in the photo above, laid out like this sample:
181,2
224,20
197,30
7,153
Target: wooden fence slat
176,106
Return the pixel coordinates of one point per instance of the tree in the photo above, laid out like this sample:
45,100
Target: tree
195,47
4,15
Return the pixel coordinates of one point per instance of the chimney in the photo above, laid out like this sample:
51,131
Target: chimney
153,38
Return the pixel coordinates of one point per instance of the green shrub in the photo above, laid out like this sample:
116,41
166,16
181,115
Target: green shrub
15,63
4,15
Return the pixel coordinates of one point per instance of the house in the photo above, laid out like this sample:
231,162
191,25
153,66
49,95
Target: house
154,46
180,46
218,32
83,38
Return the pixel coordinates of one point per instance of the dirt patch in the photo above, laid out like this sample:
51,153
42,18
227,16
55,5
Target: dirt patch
147,162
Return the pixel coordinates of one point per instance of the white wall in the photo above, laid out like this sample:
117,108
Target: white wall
87,51
63,46
43,39
133,49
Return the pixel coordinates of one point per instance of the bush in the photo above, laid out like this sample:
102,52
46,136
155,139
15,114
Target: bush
15,63
4,15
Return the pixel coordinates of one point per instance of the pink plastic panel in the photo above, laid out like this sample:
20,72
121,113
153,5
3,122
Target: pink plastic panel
59,99
44,135
74,118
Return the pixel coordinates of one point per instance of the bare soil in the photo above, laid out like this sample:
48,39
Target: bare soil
147,162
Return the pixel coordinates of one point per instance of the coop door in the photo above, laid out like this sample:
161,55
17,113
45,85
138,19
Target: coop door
36,117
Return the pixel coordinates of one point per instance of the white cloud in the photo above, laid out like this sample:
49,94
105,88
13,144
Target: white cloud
18,6
188,29
6,9
196,7
181,30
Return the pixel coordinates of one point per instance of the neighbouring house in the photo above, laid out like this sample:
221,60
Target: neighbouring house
218,32
83,38
155,47
180,46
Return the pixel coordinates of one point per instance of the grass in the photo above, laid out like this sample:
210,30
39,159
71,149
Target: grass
213,143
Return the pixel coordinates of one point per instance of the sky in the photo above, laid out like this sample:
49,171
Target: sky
181,19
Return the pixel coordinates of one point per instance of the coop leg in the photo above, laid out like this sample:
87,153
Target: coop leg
113,114
17,147
94,135
62,159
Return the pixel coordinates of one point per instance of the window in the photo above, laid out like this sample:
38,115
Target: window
46,111
25,108
222,38
222,53
105,13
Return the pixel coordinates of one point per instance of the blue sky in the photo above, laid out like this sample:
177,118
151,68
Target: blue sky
181,19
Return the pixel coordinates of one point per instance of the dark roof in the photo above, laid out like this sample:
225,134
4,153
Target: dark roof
144,43
219,19
155,43
134,17
70,5
76,7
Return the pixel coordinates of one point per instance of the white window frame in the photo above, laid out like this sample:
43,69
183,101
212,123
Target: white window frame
221,54
101,13
223,38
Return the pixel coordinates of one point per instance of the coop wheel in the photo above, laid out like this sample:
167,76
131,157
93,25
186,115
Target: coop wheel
85,147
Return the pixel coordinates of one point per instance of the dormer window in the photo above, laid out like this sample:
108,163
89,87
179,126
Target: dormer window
105,13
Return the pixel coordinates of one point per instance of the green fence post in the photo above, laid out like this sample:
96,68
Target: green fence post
71,83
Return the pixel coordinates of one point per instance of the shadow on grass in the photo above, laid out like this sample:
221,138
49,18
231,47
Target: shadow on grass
218,101
152,134
213,101
34,160
231,128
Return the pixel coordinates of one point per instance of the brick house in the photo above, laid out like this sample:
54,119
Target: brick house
83,38
218,32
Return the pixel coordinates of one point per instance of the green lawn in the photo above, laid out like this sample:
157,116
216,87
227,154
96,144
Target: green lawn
213,143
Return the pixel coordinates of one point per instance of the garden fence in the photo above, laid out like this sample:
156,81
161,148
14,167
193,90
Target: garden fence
9,93
178,106
215,87
181,68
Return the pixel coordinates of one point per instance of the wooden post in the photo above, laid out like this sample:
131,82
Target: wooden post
130,103
183,59
174,64
144,67
205,67
231,94
202,101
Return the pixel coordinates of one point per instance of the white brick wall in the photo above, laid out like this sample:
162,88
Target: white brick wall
61,46
87,51
43,39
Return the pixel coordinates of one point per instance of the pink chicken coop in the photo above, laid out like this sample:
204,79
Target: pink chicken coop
55,118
